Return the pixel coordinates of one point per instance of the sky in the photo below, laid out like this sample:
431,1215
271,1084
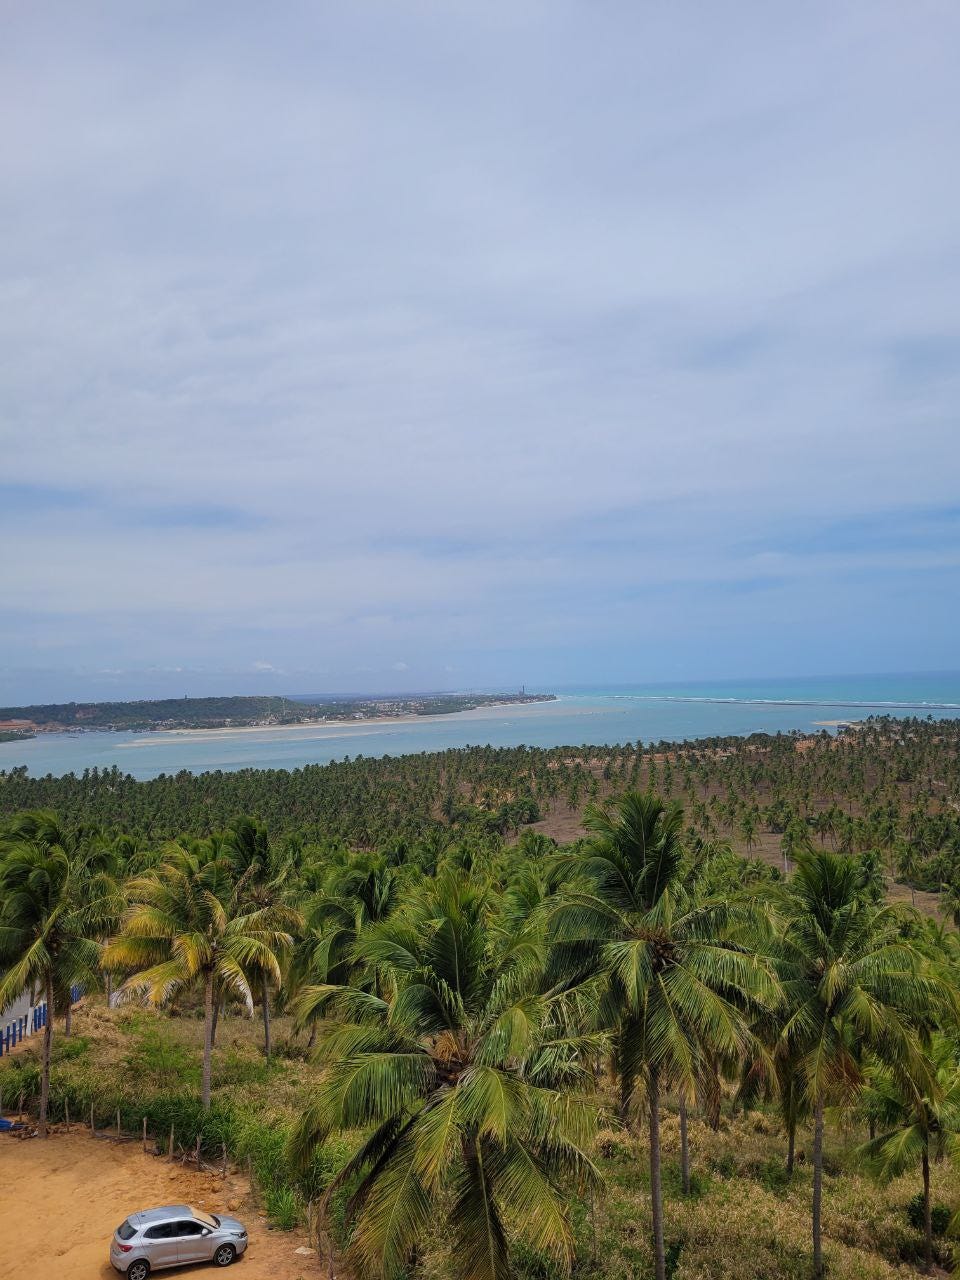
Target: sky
419,345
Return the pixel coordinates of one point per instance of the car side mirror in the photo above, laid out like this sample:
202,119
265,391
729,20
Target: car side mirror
205,1231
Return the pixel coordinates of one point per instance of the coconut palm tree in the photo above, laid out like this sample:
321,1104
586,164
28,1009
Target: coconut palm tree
673,981
357,890
184,928
950,902
910,863
748,829
853,983
794,841
261,873
54,906
455,1069
918,1117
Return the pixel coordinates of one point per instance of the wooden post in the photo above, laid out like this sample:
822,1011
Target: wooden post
170,1147
92,1126
66,1112
198,1151
20,1106
118,1122
144,1133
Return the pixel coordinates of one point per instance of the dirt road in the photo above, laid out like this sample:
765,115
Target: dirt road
61,1200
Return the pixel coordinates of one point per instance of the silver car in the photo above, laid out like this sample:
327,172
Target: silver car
173,1236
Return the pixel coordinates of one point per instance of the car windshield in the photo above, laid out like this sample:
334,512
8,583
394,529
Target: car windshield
207,1219
125,1231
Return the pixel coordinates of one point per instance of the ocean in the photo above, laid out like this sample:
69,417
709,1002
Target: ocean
583,715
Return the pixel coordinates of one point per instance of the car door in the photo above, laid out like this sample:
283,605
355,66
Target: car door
161,1245
193,1245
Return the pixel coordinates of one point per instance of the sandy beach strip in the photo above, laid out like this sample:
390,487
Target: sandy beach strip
232,729
328,728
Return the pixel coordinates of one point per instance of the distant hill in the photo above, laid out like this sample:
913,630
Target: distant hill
234,712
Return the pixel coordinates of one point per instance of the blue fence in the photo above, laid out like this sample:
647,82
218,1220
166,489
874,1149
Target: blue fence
28,1024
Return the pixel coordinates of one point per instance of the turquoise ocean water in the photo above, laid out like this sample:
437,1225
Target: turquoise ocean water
592,715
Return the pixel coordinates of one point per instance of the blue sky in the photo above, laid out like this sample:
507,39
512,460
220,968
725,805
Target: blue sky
435,345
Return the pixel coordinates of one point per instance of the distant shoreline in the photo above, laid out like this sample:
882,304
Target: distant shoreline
578,722
374,722
17,724
228,730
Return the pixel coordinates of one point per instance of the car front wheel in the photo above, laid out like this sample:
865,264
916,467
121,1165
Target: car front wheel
138,1270
225,1255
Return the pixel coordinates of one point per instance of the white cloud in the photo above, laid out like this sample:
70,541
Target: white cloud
478,364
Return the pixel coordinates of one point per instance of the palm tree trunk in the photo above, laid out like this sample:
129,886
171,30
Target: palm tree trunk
623,1102
47,1046
791,1146
265,999
656,1186
207,1039
684,1149
109,980
927,1218
68,1017
712,1097
216,1021
817,1187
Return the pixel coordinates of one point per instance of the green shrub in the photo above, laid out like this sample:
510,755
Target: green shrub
529,1265
291,1049
157,1058
236,1068
672,1257
725,1165
326,1163
773,1175
939,1215
673,1181
21,1075
70,1050
283,1207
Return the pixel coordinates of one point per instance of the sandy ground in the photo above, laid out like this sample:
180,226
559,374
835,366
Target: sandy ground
239,730
332,727
61,1200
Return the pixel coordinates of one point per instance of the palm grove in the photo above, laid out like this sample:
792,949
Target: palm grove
481,1009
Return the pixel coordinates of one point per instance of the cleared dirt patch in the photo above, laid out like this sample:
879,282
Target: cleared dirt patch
61,1200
